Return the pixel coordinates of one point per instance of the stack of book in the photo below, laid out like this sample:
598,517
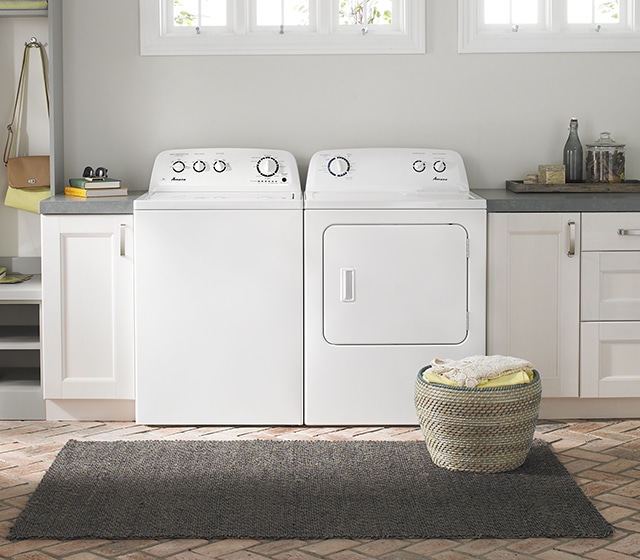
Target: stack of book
95,187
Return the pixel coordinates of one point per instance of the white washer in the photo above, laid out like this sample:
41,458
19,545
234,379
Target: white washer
395,265
218,289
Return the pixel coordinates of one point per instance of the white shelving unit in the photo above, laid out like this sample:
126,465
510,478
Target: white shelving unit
21,391
20,361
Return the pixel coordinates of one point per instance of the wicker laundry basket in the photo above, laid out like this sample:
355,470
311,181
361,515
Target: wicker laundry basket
478,429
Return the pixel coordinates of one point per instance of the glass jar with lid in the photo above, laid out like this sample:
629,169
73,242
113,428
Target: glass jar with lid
605,160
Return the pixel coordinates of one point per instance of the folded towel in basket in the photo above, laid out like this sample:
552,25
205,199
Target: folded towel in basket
470,371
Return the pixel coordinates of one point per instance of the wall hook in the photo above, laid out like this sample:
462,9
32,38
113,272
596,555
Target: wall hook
33,43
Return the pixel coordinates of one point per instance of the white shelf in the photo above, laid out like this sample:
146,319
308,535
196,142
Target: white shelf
20,386
22,337
24,292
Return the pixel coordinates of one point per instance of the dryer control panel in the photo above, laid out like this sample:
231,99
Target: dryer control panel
387,170
224,169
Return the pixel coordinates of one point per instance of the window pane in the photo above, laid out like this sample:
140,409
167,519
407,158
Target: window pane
524,11
497,11
352,12
186,12
607,12
276,12
511,11
593,11
214,12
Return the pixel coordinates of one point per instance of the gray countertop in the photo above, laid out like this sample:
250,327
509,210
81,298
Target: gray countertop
498,200
62,204
502,200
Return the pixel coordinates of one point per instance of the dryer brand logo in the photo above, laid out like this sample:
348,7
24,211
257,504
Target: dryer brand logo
436,178
178,179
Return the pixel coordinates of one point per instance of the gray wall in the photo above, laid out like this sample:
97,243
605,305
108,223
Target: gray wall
504,113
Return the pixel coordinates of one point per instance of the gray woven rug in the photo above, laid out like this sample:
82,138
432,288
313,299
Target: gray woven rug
296,489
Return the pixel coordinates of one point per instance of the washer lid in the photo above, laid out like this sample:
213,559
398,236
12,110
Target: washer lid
245,200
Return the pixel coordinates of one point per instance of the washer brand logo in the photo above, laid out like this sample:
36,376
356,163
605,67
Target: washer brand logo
178,179
440,179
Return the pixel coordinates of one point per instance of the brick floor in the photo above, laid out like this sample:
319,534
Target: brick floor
603,456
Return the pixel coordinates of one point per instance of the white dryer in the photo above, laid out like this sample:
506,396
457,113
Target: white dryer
395,275
218,289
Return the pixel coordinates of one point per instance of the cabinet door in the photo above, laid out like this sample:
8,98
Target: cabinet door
87,306
610,357
534,294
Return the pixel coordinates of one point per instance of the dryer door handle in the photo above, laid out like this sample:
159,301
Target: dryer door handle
347,285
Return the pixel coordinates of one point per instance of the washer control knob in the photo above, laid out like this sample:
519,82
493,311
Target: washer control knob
439,166
178,166
199,166
219,166
419,166
339,166
267,166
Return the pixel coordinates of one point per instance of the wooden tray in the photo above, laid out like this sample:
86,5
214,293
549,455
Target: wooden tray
625,186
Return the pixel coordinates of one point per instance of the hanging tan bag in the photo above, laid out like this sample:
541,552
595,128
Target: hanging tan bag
25,173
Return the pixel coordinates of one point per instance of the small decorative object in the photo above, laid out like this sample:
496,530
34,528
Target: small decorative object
531,179
605,160
551,174
573,158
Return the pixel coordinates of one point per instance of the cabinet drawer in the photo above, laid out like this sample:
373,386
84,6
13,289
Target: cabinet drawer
611,231
610,284
609,358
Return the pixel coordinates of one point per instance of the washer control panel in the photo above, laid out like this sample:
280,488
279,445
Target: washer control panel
387,169
228,169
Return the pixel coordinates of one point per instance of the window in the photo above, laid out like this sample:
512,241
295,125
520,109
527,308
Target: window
206,27
549,26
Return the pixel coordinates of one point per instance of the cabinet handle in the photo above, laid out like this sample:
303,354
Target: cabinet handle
122,231
572,239
629,232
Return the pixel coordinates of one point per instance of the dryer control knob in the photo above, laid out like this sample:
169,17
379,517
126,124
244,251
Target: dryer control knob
178,166
419,166
267,166
219,165
439,166
199,166
339,166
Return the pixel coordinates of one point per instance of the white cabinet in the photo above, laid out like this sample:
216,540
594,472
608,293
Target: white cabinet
87,315
534,294
610,328
20,387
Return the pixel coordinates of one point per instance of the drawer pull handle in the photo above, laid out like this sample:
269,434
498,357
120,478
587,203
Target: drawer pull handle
572,239
629,232
122,245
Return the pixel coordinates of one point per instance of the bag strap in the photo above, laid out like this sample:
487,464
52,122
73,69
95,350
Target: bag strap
18,108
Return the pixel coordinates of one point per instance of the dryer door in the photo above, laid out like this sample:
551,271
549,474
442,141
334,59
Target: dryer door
395,284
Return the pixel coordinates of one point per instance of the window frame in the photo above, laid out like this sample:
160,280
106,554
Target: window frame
325,39
556,36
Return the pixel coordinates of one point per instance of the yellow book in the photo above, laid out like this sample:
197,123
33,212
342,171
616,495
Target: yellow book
95,193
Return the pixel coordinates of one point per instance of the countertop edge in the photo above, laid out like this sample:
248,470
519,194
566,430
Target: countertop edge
498,200
502,200
62,204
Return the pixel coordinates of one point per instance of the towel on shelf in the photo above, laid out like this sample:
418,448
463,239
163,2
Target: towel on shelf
23,5
469,372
